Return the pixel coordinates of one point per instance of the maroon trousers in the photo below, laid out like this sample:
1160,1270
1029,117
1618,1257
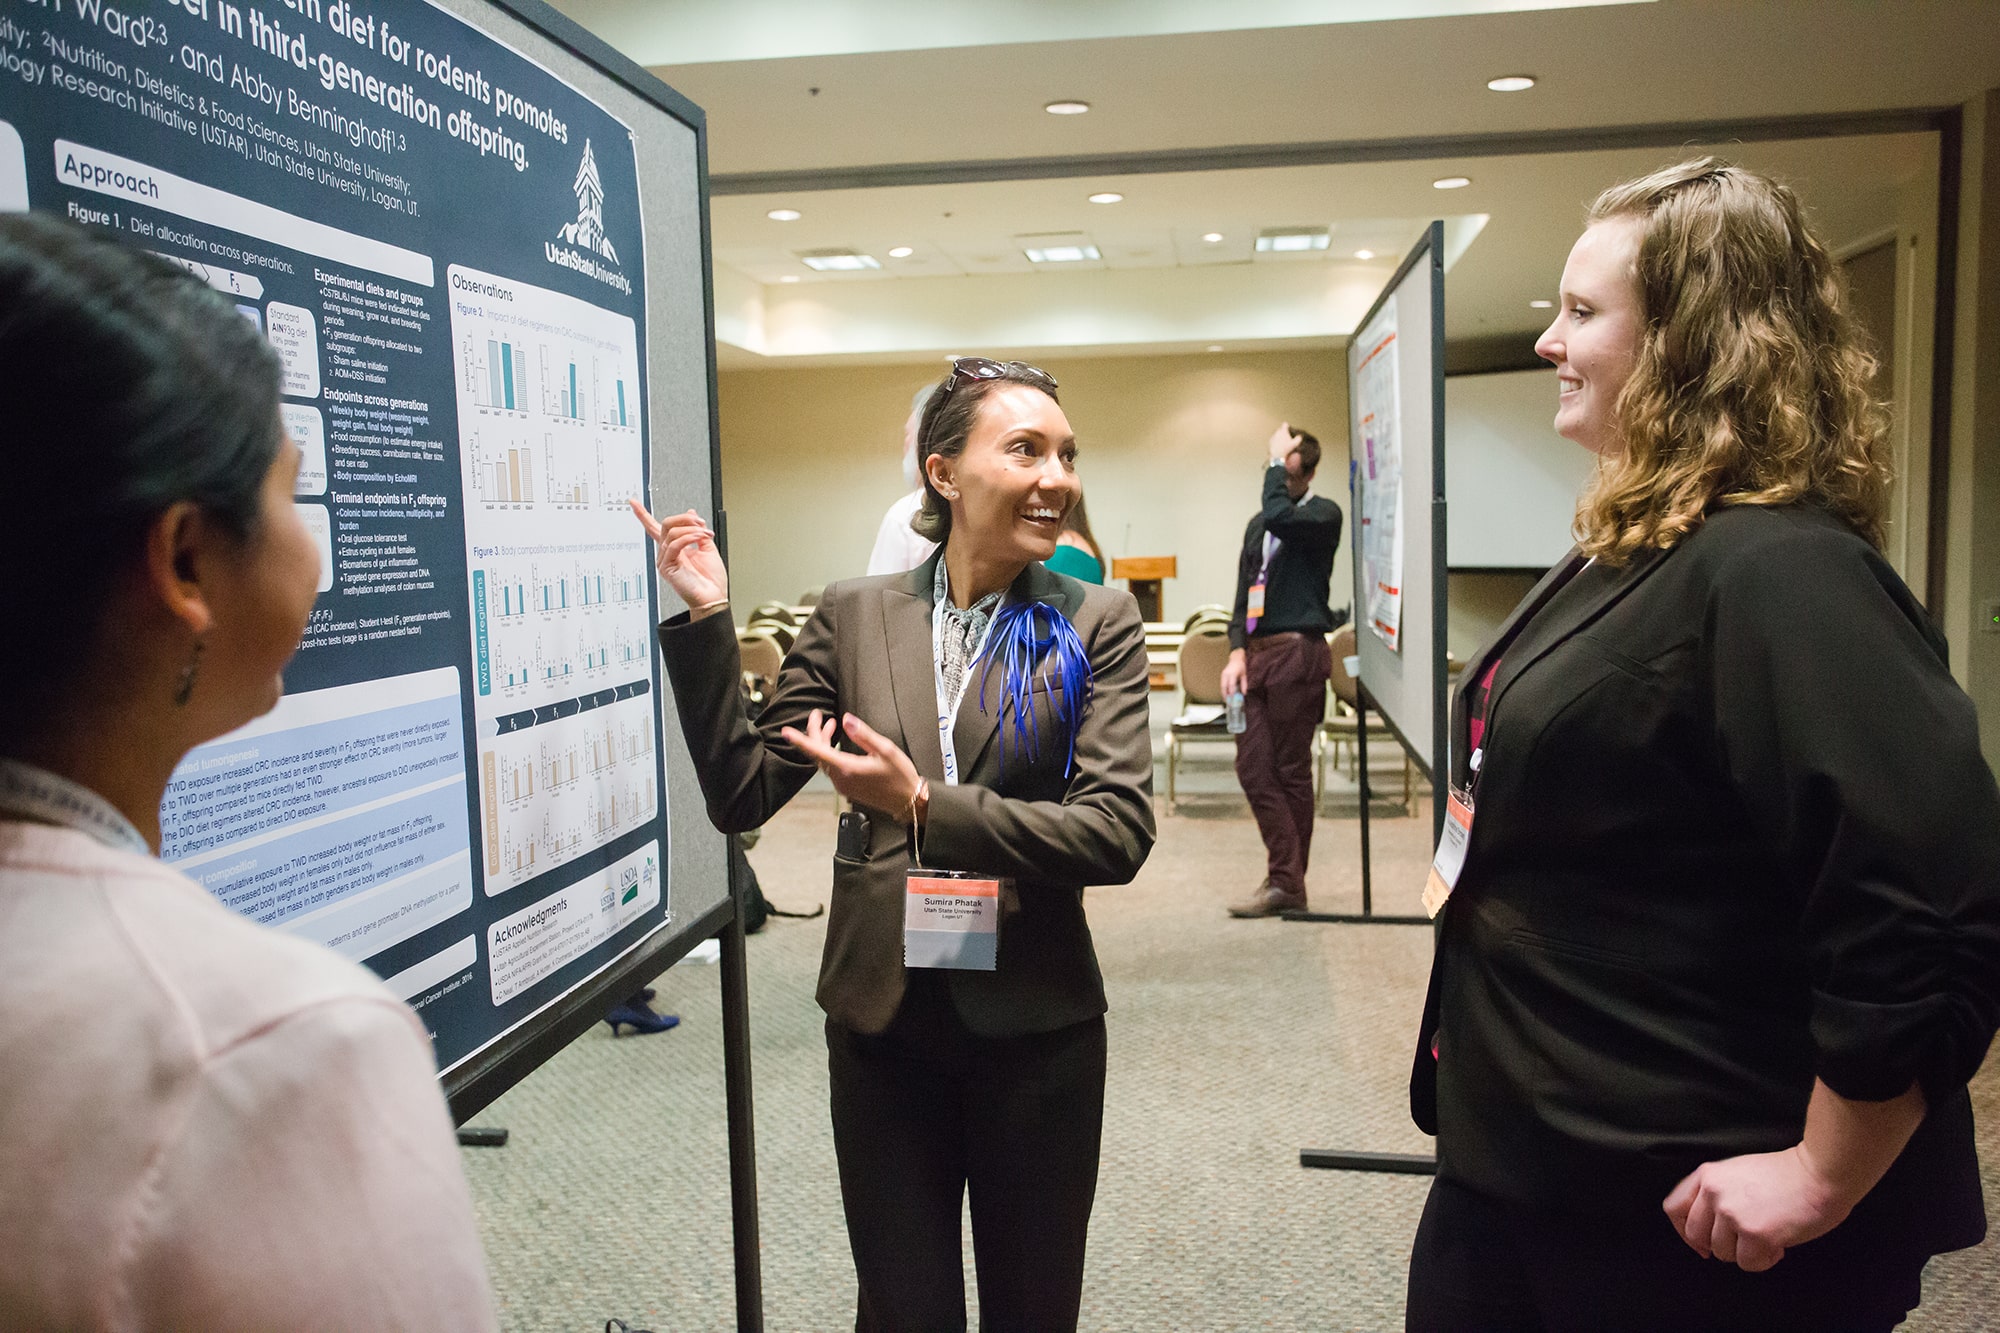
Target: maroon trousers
1283,702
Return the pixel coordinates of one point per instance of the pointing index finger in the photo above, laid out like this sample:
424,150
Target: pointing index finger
646,519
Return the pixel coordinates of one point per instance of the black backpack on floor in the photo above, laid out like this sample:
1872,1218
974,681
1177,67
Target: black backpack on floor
757,908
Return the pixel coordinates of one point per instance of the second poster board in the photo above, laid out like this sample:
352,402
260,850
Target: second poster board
1395,387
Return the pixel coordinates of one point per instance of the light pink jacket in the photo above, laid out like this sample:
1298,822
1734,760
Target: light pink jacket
209,1125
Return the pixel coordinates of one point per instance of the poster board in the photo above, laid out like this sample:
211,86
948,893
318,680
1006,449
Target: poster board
478,240
1395,394
1501,445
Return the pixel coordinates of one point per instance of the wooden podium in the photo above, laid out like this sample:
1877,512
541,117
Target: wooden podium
1143,574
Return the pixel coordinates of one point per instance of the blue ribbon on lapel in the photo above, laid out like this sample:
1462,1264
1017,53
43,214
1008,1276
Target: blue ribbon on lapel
1027,635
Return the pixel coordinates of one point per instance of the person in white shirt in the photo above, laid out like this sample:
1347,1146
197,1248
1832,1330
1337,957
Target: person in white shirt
204,1124
897,545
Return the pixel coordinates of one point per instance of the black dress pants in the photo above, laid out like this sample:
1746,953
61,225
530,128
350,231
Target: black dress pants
927,1109
1485,1265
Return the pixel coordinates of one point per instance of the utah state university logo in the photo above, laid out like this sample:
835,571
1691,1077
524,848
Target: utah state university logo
582,245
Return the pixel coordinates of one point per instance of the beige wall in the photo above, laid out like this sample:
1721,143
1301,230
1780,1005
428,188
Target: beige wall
1172,451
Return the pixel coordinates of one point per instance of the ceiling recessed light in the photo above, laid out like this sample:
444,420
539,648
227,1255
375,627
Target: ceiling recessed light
1067,107
1451,182
1283,240
1541,305
1061,254
901,252
1213,238
1511,83
1215,347
837,261
1364,254
1107,197
783,215
789,277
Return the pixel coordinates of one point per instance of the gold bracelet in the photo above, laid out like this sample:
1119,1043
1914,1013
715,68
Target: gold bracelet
706,607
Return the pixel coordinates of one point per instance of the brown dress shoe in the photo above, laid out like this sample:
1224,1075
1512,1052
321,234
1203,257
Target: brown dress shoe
1268,901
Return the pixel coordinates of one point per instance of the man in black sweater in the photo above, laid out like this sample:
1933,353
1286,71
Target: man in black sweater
1279,662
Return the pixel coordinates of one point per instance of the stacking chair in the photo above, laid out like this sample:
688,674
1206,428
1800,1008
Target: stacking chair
1203,654
1343,721
776,621
763,656
1212,612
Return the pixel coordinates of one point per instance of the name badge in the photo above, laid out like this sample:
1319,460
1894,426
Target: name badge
951,918
1450,858
1254,608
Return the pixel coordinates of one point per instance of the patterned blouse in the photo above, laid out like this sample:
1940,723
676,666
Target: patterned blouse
959,639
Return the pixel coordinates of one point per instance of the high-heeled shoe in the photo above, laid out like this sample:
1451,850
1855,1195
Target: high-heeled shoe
640,1017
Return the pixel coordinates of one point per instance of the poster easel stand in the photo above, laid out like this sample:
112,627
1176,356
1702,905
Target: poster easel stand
736,1095
1428,253
1366,917
1335,1159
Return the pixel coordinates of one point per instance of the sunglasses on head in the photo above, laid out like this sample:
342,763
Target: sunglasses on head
967,369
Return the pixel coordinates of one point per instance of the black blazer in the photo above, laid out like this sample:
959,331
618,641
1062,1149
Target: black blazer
1732,830
867,650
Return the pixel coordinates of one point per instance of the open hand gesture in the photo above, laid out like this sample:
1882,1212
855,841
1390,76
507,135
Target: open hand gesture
881,777
687,555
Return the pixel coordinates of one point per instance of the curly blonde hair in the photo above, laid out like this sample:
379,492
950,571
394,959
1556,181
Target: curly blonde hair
1751,385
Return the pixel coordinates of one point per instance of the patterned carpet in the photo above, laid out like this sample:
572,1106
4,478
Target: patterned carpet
1233,1044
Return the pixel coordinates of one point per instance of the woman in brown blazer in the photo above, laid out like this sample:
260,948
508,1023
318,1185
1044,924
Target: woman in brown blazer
989,759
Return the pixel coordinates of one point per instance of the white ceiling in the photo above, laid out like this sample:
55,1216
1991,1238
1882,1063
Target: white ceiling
690,32
818,102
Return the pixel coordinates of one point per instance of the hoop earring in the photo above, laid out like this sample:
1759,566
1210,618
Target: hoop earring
185,690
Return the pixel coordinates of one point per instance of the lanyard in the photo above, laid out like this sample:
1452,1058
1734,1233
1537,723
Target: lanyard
37,794
1270,549
948,706
1489,676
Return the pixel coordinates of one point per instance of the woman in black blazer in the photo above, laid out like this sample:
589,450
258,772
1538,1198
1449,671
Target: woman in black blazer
1724,947
946,1079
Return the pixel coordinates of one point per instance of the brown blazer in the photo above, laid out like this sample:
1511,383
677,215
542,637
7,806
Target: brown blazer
867,651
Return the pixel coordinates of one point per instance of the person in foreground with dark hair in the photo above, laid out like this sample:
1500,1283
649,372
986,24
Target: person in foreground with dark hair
204,1125
1721,946
1279,662
988,719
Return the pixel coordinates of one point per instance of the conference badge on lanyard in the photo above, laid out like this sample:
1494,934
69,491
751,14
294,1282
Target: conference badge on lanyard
951,918
1450,858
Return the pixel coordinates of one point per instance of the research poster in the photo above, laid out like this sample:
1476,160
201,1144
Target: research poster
462,787
1379,426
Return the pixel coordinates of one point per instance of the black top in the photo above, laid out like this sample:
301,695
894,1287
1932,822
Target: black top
1733,831
1308,533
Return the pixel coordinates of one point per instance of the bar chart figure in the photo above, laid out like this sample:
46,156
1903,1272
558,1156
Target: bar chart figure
551,442
504,474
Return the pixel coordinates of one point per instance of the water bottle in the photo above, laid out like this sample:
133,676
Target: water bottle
1233,710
